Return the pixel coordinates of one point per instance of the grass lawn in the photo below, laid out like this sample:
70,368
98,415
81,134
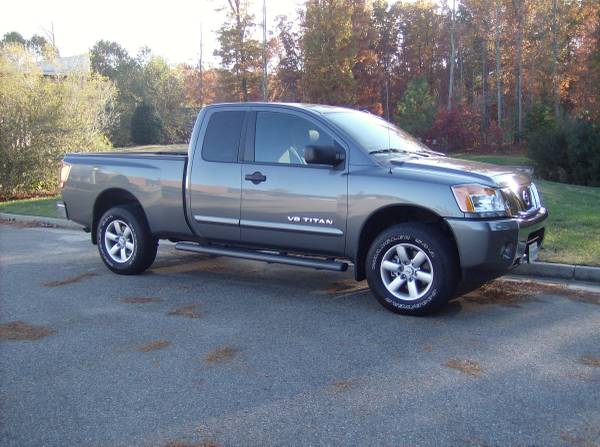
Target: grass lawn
45,207
573,229
510,160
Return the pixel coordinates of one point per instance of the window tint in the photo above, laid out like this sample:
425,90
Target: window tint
282,138
222,137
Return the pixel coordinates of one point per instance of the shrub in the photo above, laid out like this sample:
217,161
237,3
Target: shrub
42,118
459,128
568,151
146,125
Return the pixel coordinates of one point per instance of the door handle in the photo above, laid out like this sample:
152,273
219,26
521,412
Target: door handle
256,177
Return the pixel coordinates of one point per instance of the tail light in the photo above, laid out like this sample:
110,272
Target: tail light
65,168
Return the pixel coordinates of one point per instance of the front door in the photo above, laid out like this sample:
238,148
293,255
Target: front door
287,203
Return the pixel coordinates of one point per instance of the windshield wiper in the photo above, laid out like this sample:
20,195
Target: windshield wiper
394,150
389,151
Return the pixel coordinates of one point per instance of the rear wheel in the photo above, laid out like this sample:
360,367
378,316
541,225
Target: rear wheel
125,243
411,270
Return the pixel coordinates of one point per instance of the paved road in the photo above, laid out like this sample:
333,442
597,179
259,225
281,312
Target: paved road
214,350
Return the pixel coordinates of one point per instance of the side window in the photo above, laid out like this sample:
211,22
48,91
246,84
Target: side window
222,136
282,138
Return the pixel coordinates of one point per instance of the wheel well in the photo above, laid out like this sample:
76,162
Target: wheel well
111,198
388,216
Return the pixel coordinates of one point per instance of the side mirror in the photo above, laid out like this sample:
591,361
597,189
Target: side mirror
324,155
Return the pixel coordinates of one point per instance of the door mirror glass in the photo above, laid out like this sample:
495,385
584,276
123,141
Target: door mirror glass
324,155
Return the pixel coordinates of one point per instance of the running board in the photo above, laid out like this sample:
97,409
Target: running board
319,264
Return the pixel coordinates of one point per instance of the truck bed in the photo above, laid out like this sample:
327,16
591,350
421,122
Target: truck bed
154,179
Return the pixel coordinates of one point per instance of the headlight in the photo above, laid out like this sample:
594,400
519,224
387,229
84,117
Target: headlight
480,200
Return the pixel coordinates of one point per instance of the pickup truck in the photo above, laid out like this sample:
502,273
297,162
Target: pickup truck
313,186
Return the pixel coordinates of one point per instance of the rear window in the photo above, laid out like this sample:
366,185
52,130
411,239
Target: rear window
222,137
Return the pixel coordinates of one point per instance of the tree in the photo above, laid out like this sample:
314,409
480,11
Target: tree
289,67
365,70
146,125
241,55
329,53
42,118
111,60
385,23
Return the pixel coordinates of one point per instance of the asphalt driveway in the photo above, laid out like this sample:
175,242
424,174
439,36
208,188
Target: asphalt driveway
217,351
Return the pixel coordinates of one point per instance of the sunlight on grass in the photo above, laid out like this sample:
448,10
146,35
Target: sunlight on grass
45,207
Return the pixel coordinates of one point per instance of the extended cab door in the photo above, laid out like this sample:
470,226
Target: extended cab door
286,202
215,174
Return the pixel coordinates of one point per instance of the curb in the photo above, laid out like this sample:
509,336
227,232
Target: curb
41,220
560,271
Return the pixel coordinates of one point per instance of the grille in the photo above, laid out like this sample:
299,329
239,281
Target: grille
522,200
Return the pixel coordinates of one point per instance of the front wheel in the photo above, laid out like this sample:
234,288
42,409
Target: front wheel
124,241
411,270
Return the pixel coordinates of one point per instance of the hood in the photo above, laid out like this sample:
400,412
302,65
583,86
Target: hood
502,176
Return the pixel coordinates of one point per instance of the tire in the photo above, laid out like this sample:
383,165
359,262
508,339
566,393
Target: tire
134,250
432,269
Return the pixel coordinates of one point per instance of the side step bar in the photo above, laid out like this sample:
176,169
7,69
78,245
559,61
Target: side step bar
319,264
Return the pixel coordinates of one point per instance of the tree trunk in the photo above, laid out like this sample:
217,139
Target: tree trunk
555,91
498,65
452,55
264,75
484,92
518,6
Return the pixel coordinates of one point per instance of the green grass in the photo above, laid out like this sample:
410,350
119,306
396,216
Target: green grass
507,160
45,207
573,229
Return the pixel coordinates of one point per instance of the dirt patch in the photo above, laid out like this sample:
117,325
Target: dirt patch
588,360
71,280
140,300
30,224
589,439
465,366
221,354
177,443
19,330
153,346
339,386
189,311
344,286
515,293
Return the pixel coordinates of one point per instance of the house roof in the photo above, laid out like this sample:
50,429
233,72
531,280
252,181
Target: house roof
65,65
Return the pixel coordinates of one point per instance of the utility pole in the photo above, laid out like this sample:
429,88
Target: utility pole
264,77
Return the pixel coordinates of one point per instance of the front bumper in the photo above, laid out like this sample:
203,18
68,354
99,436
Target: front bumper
489,248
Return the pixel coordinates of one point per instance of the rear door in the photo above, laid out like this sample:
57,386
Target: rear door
215,175
286,202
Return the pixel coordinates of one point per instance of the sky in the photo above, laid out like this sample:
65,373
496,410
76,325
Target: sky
171,29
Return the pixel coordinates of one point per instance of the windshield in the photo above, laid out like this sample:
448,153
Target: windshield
376,135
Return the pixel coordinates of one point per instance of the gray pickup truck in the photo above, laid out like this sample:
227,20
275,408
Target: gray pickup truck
313,186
